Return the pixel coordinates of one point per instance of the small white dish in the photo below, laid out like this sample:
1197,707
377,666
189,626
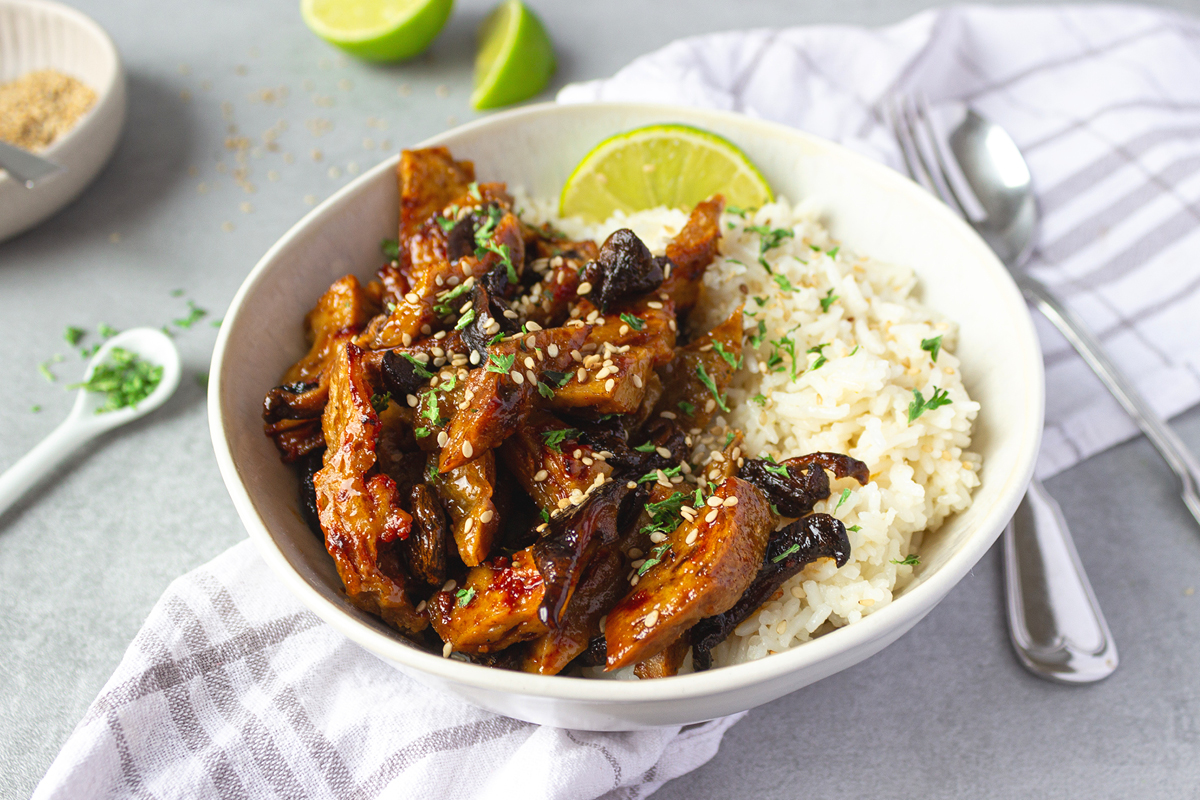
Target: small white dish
869,207
37,34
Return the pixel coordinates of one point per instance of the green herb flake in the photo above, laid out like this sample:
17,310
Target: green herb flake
920,405
656,556
44,368
465,320
418,366
554,439
833,253
390,248
124,377
736,363
778,469
545,391
910,560
106,331
783,283
756,339
464,596
195,314
829,299
653,476
501,364
932,346
712,386
760,399
202,380
686,407
421,432
637,323
648,447
380,401
177,293
473,190
821,360
73,335
794,548
545,515
845,496
35,409
216,323
854,528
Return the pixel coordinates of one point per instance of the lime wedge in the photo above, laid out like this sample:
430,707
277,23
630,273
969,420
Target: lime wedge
661,165
515,58
377,30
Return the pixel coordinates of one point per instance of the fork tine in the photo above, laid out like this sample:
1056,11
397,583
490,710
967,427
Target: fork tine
903,134
926,174
946,192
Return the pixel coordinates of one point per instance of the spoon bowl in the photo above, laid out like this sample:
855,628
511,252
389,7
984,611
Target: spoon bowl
86,420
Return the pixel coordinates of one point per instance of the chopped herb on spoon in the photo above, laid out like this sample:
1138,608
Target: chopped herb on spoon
124,377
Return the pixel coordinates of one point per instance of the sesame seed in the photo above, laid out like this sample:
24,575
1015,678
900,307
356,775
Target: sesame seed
609,384
603,620
710,405
798,592
412,400
781,627
421,606
510,314
575,355
578,453
517,377
552,349
540,476
667,415
475,357
714,501
531,376
637,381
691,537
634,580
529,362
658,537
443,439
469,525
450,585
447,649
730,502
581,375
631,485
426,329
654,304
584,288
468,450
466,268
532,326
603,373
639,562
651,619
711,516
531,342
438,352
662,451
624,329
563,502
412,298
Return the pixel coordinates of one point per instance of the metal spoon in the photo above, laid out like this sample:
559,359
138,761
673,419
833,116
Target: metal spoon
26,168
1055,622
84,424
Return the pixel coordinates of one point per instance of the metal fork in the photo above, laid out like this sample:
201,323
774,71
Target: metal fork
1055,623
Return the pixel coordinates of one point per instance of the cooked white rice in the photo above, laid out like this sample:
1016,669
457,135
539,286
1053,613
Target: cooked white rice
856,402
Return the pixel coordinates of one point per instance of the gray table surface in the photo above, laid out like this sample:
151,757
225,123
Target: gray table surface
944,712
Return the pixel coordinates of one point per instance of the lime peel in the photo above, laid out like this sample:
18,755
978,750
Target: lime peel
515,59
377,30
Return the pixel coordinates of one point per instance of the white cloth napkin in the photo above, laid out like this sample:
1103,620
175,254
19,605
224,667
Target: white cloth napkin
1105,103
233,690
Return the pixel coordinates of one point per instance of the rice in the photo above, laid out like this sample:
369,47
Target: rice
843,383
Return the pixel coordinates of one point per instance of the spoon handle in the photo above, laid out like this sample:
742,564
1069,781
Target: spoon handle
1055,622
1173,450
39,461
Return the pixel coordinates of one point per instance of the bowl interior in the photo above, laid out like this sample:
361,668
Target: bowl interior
868,207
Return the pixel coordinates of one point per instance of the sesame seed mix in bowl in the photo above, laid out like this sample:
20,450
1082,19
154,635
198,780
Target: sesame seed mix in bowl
840,357
667,443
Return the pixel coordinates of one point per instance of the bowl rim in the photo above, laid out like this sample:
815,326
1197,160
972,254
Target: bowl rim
907,608
104,93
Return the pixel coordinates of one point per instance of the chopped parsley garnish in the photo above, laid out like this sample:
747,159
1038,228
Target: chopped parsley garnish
852,352
829,299
418,367
448,384
464,596
778,469
845,496
44,368
430,411
107,331
545,515
760,399
35,409
785,554
736,363
195,314
559,379
741,212
648,447
770,237
447,220
73,335
636,323
712,386
202,380
655,558
473,190
833,253
911,560
380,401
501,364
788,345
854,528
664,515
554,439
686,407
821,360
124,377
920,405
545,391
390,248
932,346
784,284
465,320
670,473
443,307
728,439
177,293
484,243
756,339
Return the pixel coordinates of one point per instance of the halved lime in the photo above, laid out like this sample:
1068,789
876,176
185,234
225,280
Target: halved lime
676,166
515,58
377,30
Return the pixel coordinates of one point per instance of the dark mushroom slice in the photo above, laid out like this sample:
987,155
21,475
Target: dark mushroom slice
303,400
359,507
694,383
701,570
495,607
296,438
425,548
624,269
563,553
491,317
601,586
799,483
790,550
307,467
501,394
691,252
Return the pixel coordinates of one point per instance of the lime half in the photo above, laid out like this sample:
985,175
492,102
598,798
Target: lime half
515,58
377,30
661,165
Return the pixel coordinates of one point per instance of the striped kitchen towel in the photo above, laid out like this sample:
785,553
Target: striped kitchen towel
1103,100
233,690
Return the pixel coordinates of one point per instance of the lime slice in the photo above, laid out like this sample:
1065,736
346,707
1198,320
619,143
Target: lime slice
377,30
515,58
661,165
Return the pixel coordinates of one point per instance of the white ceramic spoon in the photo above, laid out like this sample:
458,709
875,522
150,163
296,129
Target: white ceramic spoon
84,424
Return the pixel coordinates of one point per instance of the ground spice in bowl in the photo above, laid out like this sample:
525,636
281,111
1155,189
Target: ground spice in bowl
41,106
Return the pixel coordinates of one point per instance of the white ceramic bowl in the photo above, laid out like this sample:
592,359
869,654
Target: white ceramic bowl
869,207
35,34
